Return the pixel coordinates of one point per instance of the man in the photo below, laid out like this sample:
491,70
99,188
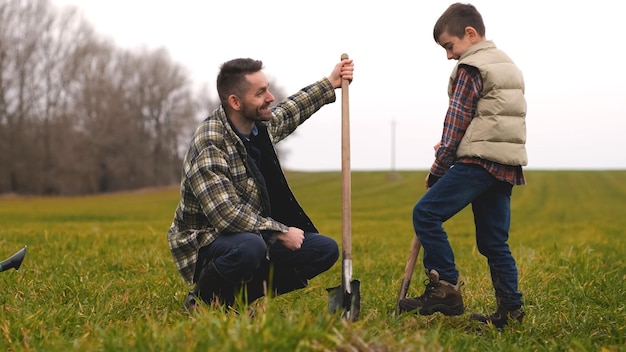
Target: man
237,223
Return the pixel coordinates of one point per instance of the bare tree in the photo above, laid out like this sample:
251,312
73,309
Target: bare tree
79,115
34,43
166,107
64,34
21,26
132,106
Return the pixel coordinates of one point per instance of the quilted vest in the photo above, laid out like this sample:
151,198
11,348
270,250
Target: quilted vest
498,128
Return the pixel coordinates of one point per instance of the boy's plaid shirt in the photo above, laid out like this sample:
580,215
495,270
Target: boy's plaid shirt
466,91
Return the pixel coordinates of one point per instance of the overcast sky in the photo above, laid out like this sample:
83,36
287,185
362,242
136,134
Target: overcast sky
568,51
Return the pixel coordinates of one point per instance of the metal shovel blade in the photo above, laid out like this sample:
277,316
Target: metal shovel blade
14,261
347,299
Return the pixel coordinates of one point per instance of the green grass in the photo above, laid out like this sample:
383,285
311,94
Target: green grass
98,275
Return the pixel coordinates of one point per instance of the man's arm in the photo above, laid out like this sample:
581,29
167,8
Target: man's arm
297,108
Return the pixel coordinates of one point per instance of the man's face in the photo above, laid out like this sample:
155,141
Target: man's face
454,46
255,104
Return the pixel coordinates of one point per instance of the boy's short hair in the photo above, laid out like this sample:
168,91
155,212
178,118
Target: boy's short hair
456,18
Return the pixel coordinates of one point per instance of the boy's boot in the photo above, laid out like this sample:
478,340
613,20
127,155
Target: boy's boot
501,317
440,296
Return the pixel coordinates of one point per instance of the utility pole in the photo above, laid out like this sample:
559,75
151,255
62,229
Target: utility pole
393,145
393,175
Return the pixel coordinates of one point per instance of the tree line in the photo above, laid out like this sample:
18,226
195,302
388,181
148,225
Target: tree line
79,115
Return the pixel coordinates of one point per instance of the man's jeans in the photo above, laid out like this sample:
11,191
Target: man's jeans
490,198
242,258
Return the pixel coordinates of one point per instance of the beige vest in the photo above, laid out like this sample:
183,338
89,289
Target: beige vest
498,129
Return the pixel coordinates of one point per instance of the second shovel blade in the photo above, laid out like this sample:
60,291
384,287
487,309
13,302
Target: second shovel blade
340,299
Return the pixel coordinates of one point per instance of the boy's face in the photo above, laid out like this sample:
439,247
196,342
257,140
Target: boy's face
455,46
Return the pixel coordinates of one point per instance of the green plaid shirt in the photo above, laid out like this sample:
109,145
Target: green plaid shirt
218,193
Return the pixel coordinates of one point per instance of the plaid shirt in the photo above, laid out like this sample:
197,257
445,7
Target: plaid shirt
218,193
466,91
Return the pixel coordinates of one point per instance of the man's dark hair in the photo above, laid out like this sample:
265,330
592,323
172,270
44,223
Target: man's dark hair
456,18
232,77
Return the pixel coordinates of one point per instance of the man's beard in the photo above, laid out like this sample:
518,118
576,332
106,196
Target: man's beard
257,114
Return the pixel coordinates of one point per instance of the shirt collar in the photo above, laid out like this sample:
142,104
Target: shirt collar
243,137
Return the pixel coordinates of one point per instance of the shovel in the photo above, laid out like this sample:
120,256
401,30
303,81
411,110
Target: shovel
14,261
347,296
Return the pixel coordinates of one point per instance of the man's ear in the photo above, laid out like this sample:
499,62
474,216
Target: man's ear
471,34
234,102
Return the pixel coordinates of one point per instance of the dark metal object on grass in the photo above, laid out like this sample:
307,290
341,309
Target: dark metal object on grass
14,261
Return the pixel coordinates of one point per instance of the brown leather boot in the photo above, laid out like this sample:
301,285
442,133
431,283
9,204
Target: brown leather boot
440,296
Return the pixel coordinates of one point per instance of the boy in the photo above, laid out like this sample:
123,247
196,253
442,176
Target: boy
478,161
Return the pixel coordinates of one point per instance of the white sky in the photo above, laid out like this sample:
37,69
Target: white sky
567,50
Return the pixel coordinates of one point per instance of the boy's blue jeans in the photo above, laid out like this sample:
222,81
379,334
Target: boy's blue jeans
465,184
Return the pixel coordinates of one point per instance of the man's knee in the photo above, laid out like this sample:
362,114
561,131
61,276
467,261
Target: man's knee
250,252
329,249
238,257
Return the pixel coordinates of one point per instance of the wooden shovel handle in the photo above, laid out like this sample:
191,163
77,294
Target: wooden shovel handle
346,206
408,270
412,259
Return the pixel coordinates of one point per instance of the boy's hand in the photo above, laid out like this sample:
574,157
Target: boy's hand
436,147
431,180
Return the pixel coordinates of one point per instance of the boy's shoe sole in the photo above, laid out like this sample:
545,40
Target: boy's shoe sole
443,309
499,320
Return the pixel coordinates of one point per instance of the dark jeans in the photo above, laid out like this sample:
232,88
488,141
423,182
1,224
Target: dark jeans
241,259
490,198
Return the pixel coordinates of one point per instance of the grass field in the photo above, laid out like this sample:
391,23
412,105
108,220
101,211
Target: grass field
98,275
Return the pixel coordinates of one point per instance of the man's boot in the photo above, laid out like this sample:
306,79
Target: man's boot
208,286
440,296
501,317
